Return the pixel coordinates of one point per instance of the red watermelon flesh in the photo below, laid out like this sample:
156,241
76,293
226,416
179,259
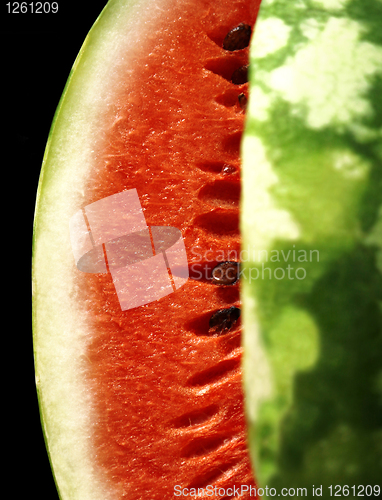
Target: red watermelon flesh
166,388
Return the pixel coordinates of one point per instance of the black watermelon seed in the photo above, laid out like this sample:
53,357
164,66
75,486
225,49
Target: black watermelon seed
225,273
238,38
243,101
240,75
223,320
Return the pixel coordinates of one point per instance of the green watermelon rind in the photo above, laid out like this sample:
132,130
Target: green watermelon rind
312,186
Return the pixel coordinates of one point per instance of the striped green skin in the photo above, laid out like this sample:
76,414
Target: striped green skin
312,186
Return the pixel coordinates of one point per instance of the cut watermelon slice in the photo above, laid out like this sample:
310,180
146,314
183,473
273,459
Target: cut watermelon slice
146,402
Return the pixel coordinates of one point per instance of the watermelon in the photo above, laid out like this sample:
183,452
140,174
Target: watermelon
311,225
145,400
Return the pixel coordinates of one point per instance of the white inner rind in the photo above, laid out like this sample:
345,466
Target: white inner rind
61,333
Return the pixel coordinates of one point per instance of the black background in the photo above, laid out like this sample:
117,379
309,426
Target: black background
38,51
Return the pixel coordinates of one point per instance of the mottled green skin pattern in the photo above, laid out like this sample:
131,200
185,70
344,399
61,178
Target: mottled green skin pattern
312,180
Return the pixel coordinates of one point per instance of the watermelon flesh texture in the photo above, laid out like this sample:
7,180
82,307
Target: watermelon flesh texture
136,402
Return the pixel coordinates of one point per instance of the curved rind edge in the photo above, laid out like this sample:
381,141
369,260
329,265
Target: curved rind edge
60,332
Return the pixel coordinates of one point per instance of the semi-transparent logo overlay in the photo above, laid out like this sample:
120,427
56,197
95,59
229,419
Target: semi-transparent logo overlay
146,263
